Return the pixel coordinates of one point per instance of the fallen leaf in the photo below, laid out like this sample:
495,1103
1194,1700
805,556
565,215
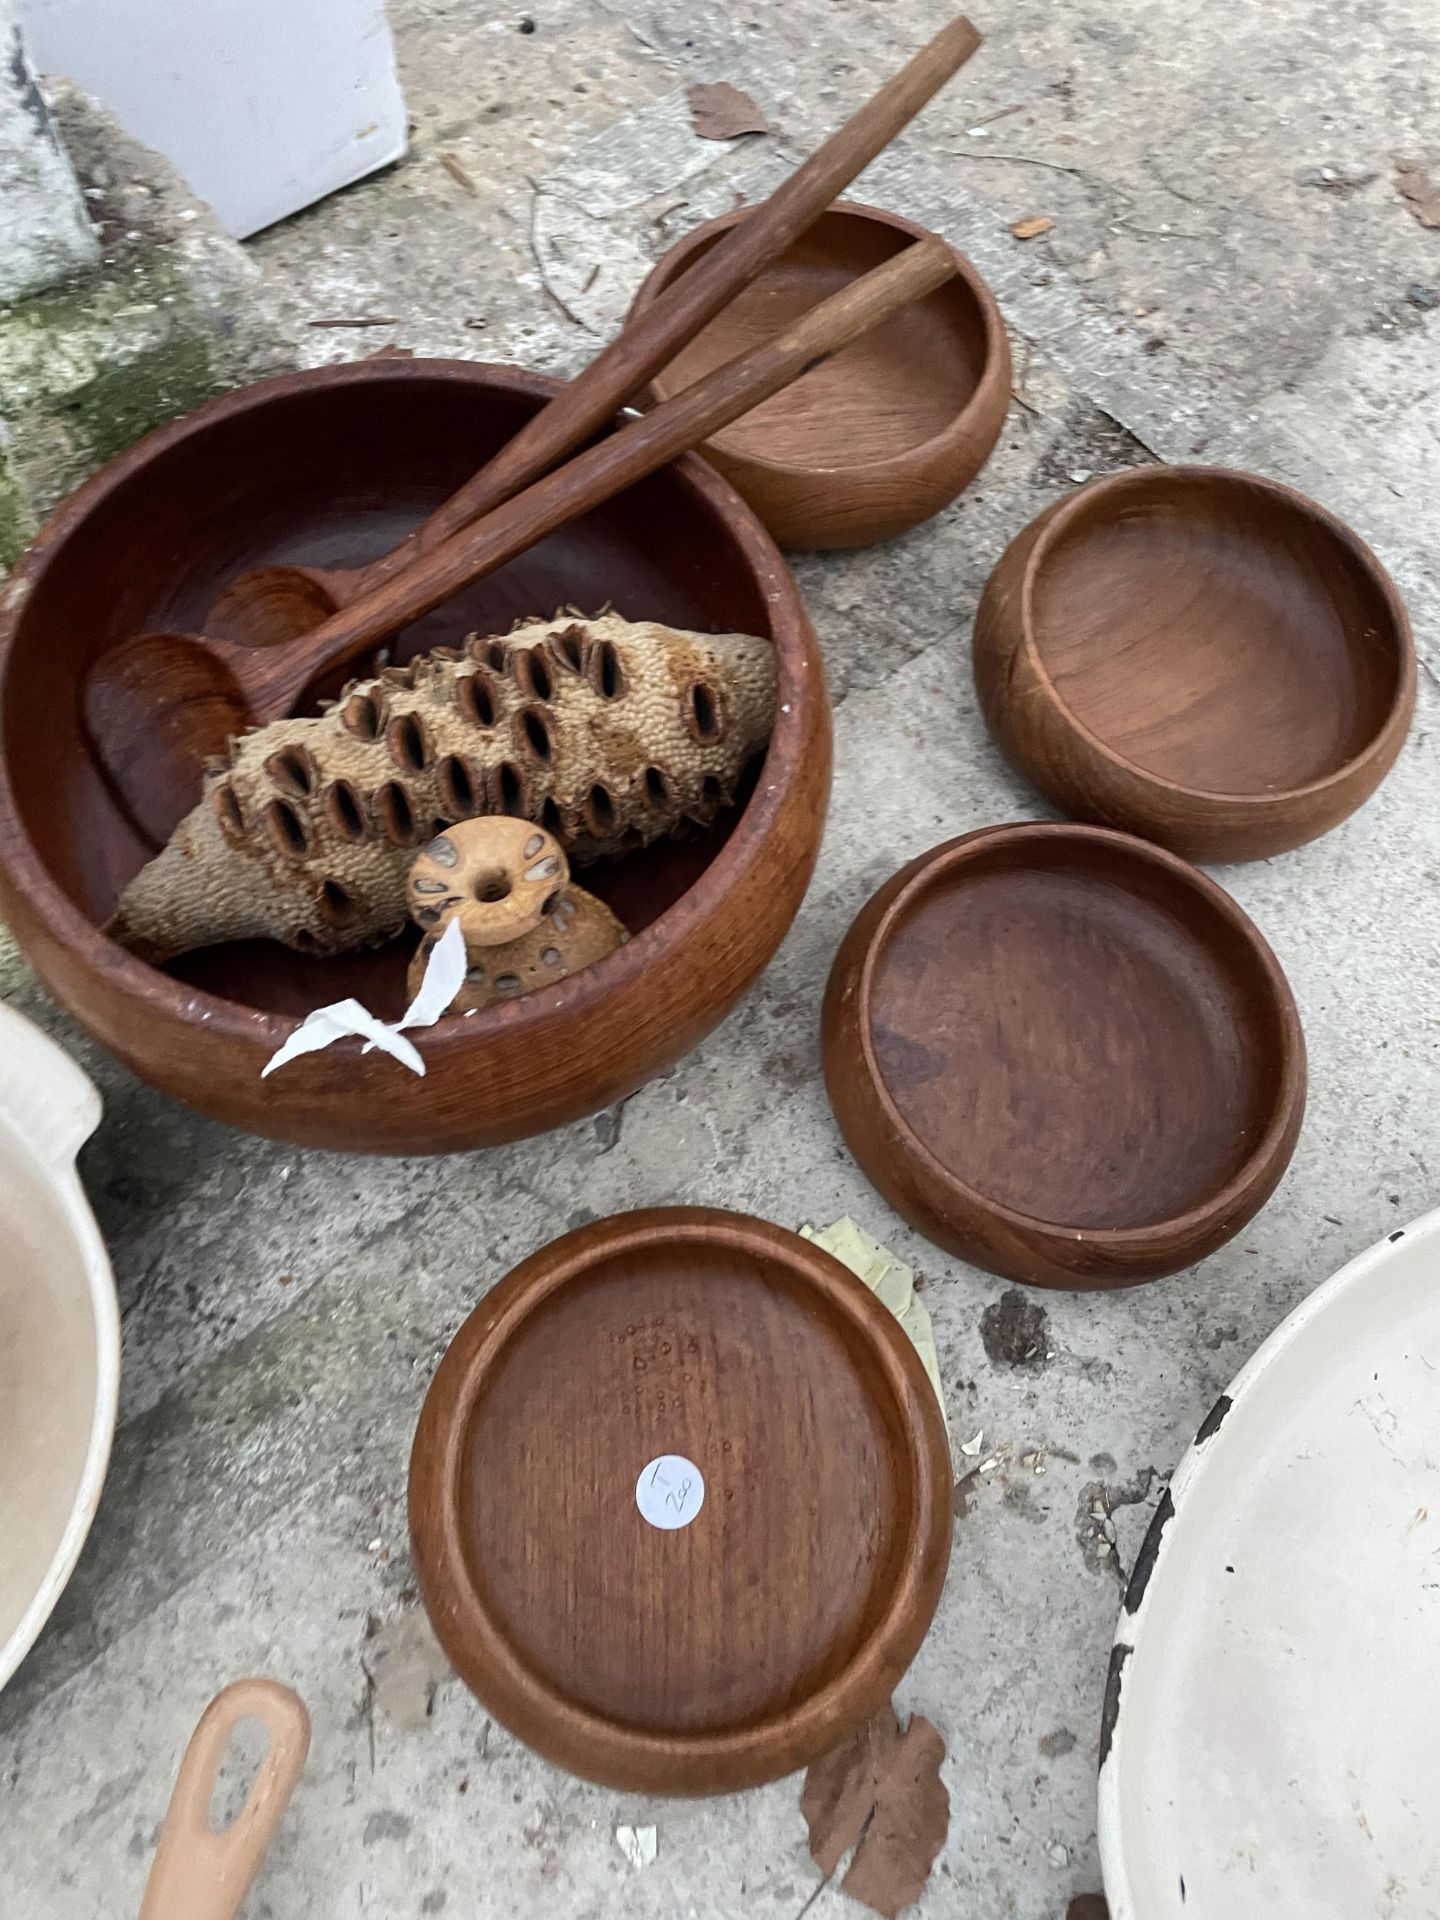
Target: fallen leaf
1422,196
892,1283
723,112
1090,1906
882,1794
405,1663
1029,229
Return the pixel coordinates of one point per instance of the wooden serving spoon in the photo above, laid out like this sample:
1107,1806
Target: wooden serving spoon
155,706
271,604
202,1874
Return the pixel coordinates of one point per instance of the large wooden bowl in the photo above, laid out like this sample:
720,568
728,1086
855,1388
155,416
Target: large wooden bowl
883,435
333,466
1197,655
680,1501
1064,1054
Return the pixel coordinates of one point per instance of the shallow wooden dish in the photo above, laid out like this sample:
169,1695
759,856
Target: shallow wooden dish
885,434
284,470
729,1650
1199,656
1064,1054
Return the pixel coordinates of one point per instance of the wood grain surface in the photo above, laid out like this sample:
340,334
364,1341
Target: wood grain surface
1200,656
729,1650
147,543
882,436
1064,1054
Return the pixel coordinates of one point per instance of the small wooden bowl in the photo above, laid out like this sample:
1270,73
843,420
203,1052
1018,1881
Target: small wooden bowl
333,466
1064,1054
882,436
1199,656
705,1656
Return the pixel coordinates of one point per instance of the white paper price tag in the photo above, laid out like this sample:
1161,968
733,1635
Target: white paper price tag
670,1491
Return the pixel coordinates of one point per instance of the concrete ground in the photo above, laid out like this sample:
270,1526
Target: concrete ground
1231,276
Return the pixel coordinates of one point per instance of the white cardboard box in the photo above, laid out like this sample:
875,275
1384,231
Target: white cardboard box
263,105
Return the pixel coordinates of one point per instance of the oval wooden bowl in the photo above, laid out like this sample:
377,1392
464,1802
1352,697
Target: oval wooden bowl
286,470
730,1650
1064,1055
1199,656
885,434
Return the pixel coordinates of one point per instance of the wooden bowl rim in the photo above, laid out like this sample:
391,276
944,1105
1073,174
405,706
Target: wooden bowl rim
255,1027
1057,520
740,1755
996,365
1289,1093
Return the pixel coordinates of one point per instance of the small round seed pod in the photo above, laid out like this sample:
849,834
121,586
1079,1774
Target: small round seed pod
578,931
499,877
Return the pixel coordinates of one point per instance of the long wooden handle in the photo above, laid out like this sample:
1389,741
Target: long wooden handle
275,677
200,1874
640,350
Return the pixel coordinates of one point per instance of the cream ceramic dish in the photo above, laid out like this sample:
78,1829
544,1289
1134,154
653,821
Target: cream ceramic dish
59,1332
1270,1742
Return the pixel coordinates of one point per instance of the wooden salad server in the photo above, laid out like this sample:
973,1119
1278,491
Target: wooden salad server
202,1874
271,604
155,706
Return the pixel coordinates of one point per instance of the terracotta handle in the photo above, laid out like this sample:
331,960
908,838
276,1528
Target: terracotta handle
274,678
639,352
200,1874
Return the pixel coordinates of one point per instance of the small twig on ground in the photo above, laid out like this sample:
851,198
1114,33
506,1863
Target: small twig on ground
1016,106
568,311
367,1708
1158,233
1026,160
1115,195
1189,198
815,1895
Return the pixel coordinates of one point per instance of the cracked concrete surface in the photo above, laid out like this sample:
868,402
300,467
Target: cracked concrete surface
1230,277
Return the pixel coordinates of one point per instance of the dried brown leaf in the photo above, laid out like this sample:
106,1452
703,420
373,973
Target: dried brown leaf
723,112
1029,229
405,1663
882,1794
1422,196
1089,1906
838,1796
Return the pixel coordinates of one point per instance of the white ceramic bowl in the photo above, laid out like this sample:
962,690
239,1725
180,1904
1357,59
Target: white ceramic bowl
1270,1742
59,1332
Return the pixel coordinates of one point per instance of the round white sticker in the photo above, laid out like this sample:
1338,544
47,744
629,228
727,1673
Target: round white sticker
670,1491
